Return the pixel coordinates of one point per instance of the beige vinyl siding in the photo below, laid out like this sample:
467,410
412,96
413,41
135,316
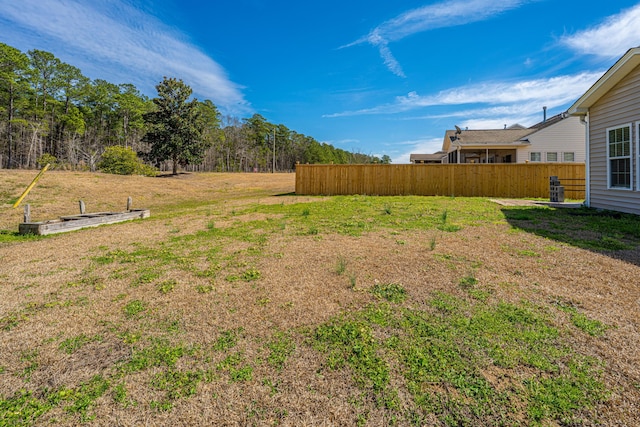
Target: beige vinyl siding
636,155
619,107
566,136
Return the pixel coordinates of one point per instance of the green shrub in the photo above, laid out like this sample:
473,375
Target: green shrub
45,159
124,161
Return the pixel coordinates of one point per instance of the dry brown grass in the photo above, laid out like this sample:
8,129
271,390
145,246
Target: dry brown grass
59,292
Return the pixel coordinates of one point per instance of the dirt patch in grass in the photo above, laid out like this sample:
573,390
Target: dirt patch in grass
222,298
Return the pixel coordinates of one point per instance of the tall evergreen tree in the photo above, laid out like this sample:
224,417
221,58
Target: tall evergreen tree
13,69
48,107
130,107
44,68
175,130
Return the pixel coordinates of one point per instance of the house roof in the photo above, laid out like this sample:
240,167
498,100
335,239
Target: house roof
613,76
490,137
427,157
550,121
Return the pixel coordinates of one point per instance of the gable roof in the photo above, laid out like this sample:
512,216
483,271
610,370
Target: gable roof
550,121
490,137
613,76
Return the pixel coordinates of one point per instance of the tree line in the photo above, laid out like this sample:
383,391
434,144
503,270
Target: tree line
51,113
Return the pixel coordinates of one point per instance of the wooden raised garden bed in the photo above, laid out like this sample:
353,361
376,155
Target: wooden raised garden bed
77,222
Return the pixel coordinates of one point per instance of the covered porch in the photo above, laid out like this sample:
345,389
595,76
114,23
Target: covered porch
483,155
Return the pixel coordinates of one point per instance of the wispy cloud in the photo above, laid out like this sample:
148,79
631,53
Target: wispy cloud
609,39
517,110
119,36
445,14
493,117
552,92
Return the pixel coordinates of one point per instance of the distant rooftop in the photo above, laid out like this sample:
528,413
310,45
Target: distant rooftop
435,157
488,136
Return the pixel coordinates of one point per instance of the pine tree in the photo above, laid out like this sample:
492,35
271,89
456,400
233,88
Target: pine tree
175,129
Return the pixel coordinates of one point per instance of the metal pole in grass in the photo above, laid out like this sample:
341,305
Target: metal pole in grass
33,183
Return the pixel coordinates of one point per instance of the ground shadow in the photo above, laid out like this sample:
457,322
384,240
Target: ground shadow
611,233
172,175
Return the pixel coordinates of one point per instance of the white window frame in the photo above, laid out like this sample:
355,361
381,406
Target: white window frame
547,156
564,159
630,157
531,153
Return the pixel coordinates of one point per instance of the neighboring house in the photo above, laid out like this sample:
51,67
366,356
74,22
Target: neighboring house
557,139
486,146
427,158
611,111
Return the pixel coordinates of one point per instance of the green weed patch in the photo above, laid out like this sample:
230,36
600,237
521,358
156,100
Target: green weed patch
586,228
445,356
466,360
355,215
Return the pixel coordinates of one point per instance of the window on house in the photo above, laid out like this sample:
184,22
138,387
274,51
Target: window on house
568,157
619,156
552,157
535,156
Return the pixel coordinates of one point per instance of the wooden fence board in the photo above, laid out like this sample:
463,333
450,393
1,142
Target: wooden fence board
512,180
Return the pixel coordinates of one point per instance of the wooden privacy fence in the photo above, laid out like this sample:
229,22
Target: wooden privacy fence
514,180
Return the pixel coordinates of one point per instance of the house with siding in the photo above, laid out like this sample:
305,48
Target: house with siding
611,111
486,145
557,139
427,158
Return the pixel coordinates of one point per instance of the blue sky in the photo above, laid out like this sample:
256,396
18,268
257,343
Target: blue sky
373,77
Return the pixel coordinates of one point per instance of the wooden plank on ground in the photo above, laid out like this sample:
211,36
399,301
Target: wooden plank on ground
77,222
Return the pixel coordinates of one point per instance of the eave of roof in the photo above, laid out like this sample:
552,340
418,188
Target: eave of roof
521,143
627,63
550,121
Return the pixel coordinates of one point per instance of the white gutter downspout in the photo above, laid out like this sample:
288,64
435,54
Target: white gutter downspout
587,182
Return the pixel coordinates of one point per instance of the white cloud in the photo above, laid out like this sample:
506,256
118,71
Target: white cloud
525,95
610,39
497,123
518,110
127,41
390,61
494,117
555,91
450,13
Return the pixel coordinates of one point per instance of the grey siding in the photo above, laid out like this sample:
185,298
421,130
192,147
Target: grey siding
620,106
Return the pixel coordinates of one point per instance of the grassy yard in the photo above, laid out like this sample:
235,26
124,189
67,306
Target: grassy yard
240,303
